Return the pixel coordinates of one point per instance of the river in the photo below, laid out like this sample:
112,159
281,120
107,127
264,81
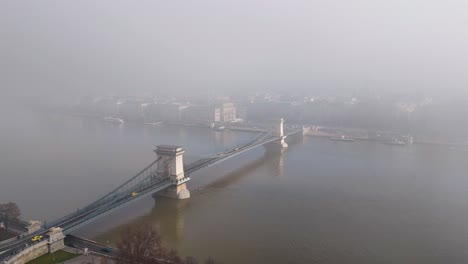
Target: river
319,201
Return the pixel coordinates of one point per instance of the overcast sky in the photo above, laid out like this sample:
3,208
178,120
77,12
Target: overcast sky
138,47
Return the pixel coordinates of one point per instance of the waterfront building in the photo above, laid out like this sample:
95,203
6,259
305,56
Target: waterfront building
167,112
131,109
202,114
227,112
259,111
107,106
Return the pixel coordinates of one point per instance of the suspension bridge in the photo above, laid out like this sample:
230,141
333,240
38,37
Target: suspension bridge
166,176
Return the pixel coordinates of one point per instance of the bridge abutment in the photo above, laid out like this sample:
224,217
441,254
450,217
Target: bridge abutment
171,166
33,226
56,239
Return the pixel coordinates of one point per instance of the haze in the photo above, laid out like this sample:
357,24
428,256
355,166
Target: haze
250,131
146,47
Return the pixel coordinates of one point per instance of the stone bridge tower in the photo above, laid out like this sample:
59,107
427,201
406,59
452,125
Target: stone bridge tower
170,165
278,131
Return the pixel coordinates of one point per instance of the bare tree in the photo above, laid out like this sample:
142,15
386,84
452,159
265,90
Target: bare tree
8,212
142,245
210,260
190,260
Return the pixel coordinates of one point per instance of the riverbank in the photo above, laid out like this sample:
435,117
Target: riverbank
382,137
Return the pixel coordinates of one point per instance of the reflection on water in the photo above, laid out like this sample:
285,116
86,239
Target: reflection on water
279,160
236,175
172,223
166,215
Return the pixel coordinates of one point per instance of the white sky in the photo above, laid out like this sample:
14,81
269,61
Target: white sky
133,47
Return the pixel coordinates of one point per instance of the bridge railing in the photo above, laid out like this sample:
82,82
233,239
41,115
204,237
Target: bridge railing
148,188
260,136
145,175
260,139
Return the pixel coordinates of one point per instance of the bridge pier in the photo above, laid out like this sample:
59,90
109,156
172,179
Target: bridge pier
277,130
170,165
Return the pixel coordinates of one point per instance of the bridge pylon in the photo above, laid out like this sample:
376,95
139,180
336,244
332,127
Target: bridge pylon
170,165
277,130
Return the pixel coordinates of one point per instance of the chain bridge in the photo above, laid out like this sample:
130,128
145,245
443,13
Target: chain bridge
166,176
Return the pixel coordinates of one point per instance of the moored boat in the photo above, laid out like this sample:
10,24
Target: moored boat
396,142
153,124
115,120
219,128
342,138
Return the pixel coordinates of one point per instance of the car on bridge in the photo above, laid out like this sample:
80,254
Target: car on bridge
36,238
134,194
107,249
74,245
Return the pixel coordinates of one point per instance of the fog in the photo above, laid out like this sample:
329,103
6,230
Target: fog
313,131
56,48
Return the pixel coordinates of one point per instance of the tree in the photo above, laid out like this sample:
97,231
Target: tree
8,212
190,260
210,260
142,245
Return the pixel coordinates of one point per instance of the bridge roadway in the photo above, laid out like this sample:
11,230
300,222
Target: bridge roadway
141,185
87,216
261,139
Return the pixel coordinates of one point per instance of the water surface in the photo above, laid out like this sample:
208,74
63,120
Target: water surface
318,202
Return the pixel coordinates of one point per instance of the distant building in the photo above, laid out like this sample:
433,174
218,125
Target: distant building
269,110
167,112
131,110
106,106
202,114
227,112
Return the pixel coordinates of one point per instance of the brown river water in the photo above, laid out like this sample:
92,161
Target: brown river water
319,201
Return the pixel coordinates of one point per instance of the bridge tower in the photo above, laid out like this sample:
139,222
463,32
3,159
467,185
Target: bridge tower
278,131
170,165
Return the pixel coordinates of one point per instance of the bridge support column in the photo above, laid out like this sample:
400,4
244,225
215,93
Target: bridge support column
33,226
171,165
56,237
277,131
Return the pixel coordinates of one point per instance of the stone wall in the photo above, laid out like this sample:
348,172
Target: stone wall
50,245
55,239
30,253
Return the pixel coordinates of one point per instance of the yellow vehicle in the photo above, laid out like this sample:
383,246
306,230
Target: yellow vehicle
36,238
134,194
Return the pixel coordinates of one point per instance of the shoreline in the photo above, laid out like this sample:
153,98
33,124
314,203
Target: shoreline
416,141
310,133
